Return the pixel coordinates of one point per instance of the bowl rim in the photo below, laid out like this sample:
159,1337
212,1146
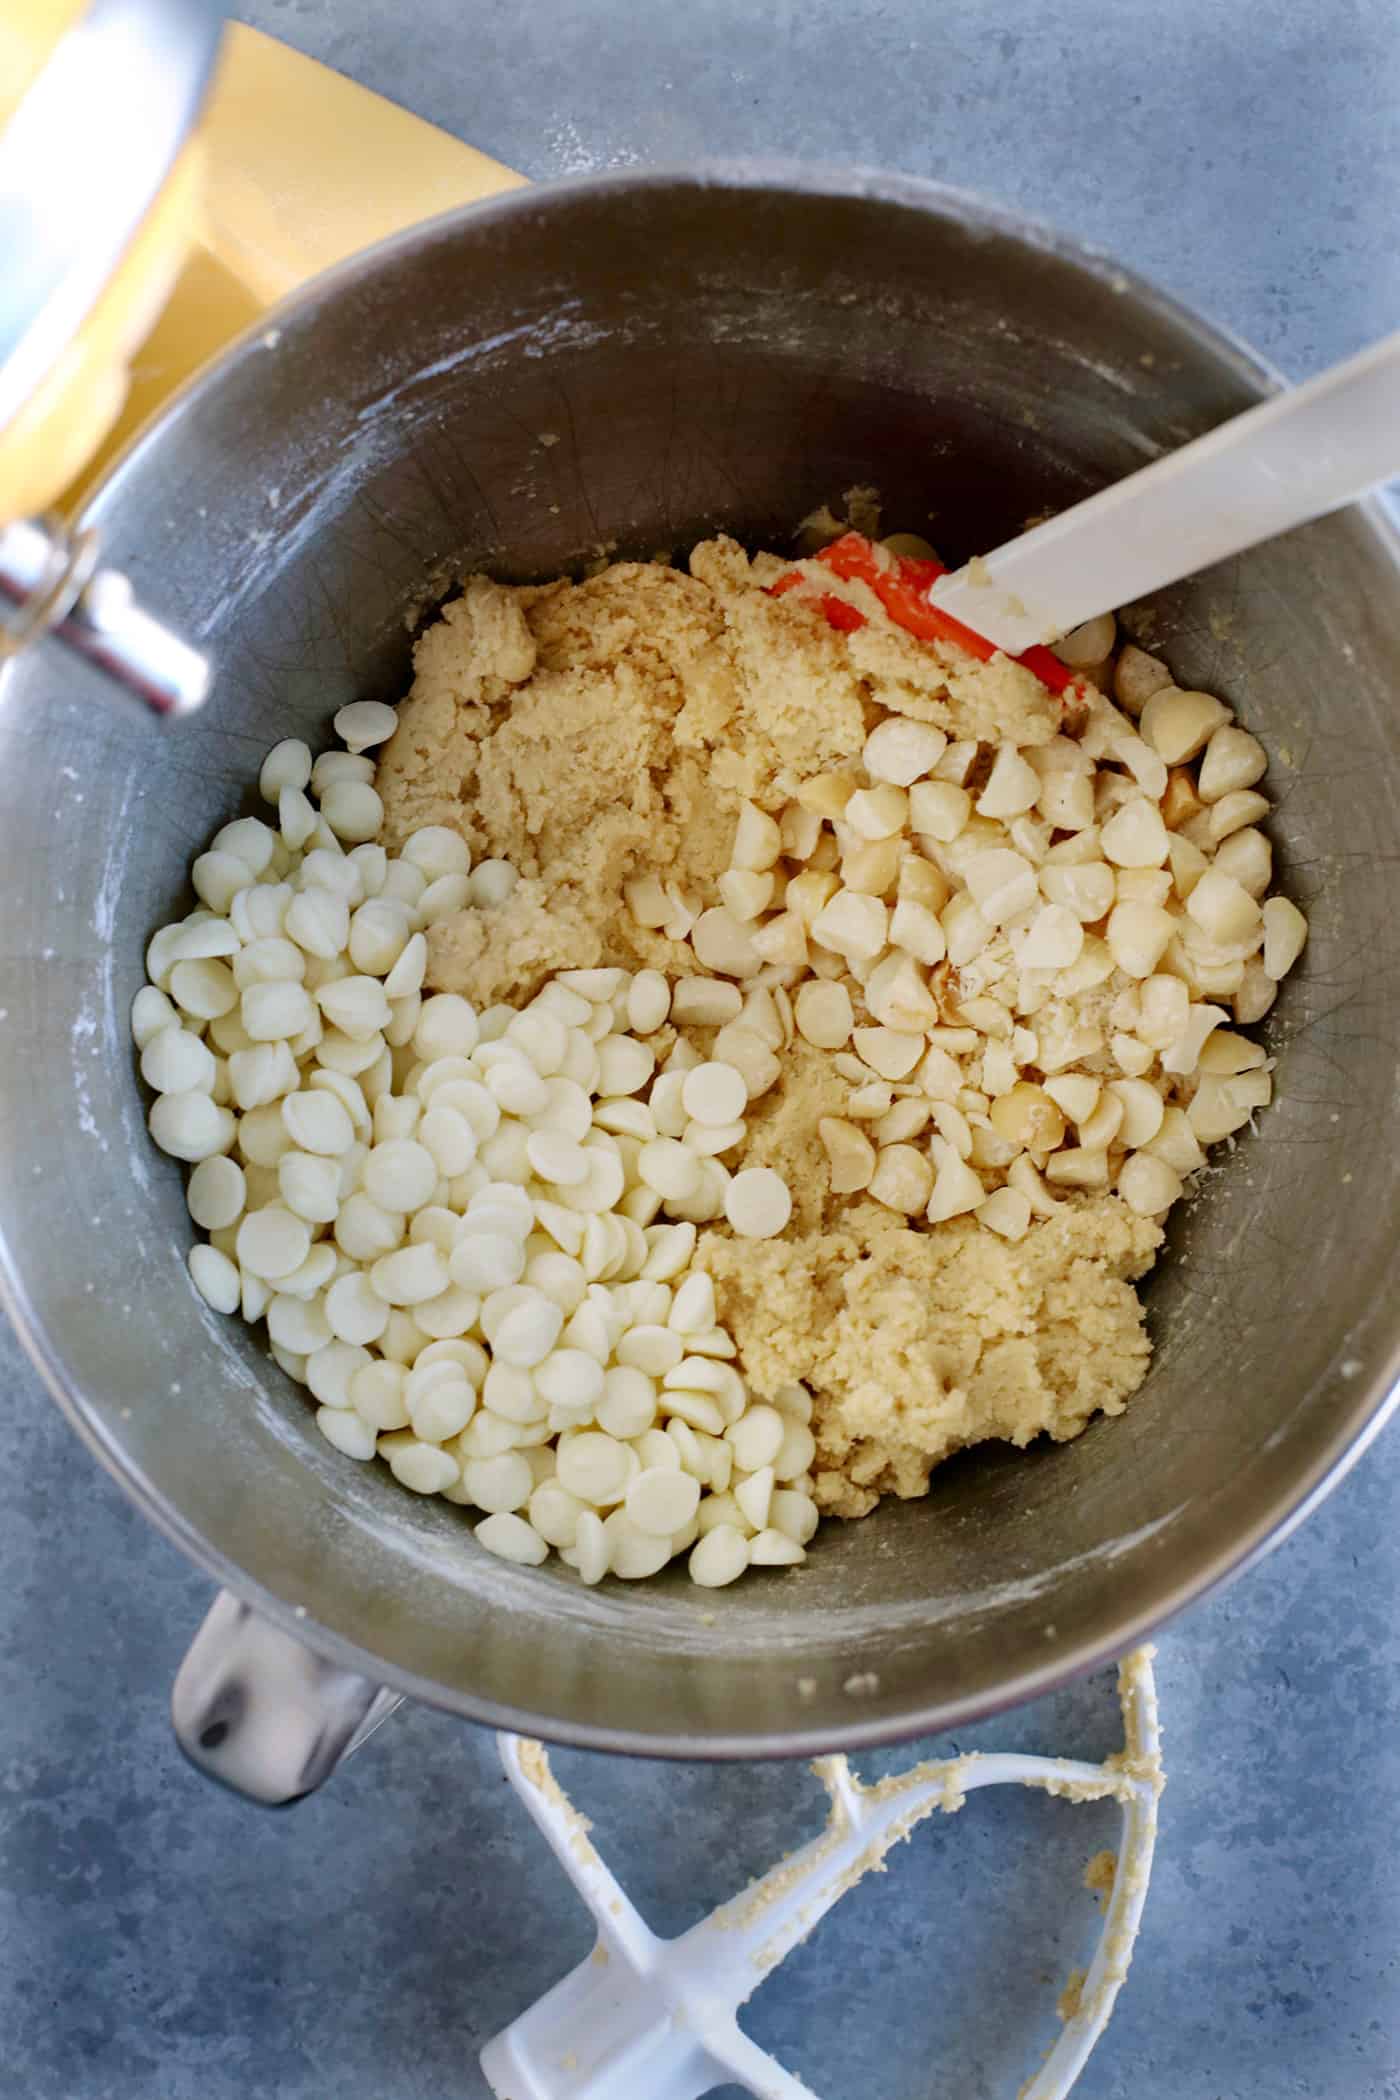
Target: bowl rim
1288,1508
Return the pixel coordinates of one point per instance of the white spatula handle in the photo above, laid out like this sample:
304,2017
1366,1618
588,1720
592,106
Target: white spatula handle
1293,458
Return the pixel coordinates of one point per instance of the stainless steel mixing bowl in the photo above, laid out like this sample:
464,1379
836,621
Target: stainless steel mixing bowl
630,364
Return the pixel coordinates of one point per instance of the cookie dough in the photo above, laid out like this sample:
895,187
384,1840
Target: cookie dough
593,732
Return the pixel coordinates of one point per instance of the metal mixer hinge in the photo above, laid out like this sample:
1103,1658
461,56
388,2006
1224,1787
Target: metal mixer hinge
50,584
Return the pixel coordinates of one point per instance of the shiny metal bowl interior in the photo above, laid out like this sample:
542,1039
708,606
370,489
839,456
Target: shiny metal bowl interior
628,365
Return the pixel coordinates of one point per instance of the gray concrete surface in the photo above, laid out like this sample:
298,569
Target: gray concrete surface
158,1941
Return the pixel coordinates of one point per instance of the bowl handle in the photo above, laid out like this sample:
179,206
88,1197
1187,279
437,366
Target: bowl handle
255,1710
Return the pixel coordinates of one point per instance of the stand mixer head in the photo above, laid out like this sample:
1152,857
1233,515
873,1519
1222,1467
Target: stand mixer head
99,200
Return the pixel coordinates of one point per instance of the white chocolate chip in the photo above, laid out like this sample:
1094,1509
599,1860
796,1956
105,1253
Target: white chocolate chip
714,1093
363,724
757,1203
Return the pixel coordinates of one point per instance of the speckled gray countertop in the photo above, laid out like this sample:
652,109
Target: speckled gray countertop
160,1942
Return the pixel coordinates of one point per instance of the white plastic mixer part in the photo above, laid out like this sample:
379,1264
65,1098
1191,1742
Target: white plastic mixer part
650,2019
